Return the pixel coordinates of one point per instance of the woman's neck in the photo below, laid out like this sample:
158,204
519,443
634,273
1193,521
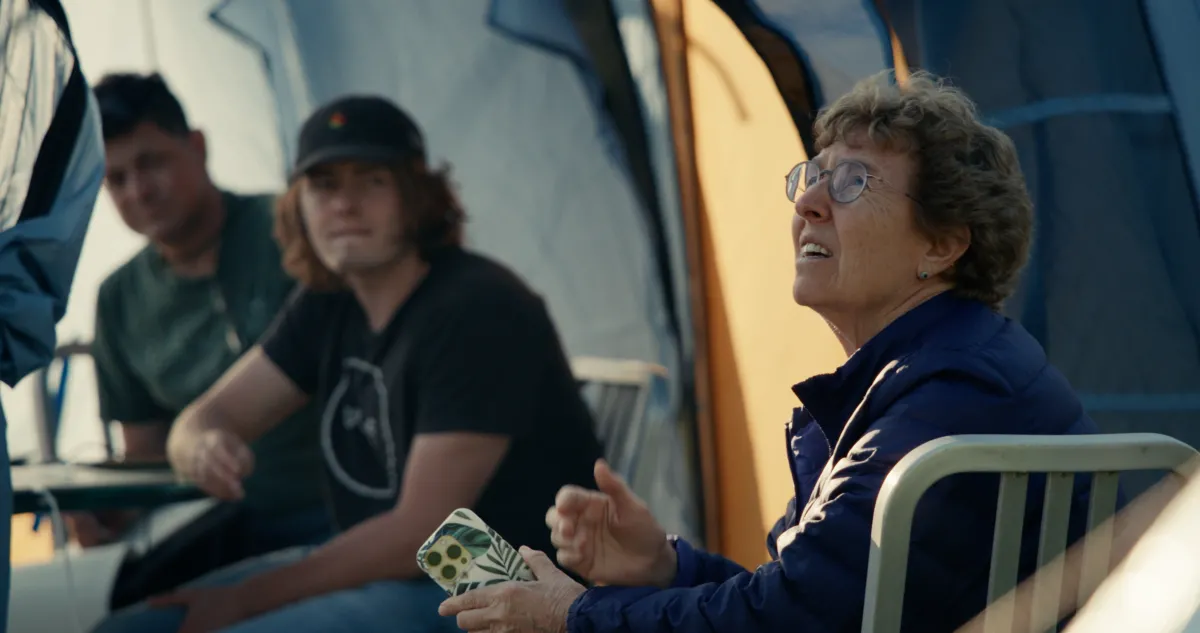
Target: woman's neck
854,328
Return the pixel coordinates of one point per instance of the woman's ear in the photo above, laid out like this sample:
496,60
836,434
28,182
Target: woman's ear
946,249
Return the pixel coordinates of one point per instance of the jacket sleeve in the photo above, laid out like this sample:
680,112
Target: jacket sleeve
38,256
817,584
697,567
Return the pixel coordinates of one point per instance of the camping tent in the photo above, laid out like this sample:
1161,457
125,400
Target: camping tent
626,158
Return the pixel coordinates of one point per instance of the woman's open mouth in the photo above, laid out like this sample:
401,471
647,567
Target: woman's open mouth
813,251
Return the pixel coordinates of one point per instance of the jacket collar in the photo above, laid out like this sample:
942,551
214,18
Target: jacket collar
832,398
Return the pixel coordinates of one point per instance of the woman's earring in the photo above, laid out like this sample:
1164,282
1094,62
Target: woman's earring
923,275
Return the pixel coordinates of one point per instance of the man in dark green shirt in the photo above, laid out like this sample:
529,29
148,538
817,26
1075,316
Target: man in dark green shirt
171,320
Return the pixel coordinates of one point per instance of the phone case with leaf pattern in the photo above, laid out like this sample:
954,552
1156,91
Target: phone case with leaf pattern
465,554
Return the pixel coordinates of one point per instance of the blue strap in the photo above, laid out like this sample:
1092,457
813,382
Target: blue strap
60,394
1113,103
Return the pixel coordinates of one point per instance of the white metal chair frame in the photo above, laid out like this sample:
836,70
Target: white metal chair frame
620,373
1015,457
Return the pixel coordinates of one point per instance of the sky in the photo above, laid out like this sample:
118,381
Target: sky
222,85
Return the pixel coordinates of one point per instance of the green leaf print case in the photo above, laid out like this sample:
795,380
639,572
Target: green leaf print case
465,554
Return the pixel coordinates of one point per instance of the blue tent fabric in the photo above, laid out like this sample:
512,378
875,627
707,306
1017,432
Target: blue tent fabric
507,93
544,23
267,28
51,167
1174,25
1109,152
839,41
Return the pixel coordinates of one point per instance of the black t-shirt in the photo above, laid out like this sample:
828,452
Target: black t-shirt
472,349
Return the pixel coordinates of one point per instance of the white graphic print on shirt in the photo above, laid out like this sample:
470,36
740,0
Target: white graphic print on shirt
356,437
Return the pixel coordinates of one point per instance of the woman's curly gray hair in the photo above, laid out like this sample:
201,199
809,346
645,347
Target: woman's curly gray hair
967,172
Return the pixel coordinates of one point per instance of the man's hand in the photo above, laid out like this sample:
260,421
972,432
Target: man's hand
218,463
609,536
540,606
209,609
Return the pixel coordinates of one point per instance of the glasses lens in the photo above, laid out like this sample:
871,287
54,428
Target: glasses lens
802,177
793,181
847,182
811,176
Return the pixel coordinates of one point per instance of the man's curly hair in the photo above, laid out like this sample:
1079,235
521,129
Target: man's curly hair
967,172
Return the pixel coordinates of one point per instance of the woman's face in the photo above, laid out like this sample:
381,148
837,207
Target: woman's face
870,254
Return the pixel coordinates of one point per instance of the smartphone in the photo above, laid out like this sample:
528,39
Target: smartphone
465,554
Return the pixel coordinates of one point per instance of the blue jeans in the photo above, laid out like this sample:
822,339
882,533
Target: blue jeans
222,537
380,607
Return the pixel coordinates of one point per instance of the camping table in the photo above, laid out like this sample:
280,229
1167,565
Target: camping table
78,487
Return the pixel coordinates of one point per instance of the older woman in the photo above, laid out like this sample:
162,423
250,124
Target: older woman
910,228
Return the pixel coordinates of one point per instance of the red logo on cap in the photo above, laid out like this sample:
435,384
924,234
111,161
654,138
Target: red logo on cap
337,120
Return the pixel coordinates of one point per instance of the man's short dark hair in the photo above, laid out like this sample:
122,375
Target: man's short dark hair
127,100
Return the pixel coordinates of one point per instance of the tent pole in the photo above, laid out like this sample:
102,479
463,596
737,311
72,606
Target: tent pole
151,46
672,41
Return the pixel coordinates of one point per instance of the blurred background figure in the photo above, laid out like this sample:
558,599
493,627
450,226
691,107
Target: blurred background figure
174,317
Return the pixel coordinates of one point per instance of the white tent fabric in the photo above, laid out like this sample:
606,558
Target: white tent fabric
516,123
504,93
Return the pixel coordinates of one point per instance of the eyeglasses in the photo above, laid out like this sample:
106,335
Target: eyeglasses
847,180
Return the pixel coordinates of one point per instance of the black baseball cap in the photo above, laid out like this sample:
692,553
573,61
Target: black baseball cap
357,128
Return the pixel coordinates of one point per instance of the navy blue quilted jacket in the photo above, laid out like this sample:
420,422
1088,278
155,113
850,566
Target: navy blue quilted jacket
950,366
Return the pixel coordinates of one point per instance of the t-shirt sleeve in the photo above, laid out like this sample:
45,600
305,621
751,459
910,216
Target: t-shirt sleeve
292,341
124,396
484,365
